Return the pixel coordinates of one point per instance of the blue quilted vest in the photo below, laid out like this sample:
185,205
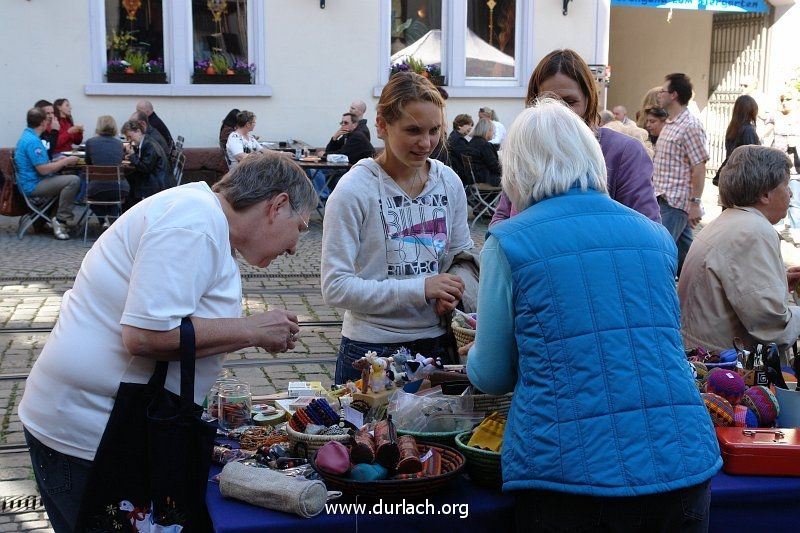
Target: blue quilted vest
605,403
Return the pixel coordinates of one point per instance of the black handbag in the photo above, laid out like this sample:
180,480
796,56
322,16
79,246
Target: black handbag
152,465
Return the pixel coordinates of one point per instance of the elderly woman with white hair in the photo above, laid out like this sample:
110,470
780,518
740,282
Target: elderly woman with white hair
734,283
578,315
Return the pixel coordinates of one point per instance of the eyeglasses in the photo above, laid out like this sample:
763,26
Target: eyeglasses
664,91
343,123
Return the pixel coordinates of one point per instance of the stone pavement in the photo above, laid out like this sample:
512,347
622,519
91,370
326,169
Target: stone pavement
35,272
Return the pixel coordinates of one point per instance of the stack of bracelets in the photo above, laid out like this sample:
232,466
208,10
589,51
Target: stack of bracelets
318,412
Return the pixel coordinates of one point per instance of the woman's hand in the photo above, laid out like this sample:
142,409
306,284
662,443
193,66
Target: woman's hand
792,277
275,331
464,350
442,307
445,287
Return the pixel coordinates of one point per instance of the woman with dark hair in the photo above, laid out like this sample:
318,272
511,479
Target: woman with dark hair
228,127
69,133
741,130
565,75
485,164
655,118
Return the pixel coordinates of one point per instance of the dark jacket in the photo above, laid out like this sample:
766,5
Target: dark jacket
457,145
485,164
104,150
158,138
153,170
363,128
155,122
746,135
354,145
51,138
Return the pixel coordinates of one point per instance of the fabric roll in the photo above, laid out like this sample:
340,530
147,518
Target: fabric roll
272,490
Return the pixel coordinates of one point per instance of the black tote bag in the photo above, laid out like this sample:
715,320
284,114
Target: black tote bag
151,467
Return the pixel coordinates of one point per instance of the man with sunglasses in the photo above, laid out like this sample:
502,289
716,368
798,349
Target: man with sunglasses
350,140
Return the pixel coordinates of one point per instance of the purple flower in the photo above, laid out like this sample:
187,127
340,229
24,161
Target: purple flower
116,65
202,65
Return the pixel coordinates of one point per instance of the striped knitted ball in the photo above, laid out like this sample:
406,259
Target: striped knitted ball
744,417
725,383
761,400
720,409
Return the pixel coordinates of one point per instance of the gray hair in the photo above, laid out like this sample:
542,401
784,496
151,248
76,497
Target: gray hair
606,116
750,173
482,128
263,176
537,164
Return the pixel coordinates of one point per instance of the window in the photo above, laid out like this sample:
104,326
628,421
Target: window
483,47
173,36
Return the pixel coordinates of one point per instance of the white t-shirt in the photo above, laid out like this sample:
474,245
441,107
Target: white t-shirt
499,133
166,258
238,144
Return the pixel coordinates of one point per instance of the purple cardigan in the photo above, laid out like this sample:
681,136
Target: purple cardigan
630,177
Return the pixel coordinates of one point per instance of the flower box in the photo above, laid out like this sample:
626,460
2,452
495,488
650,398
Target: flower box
439,81
141,77
218,79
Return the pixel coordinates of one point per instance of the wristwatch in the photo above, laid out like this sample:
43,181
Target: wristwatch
695,200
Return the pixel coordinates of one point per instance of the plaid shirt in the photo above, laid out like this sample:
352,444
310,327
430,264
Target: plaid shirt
681,145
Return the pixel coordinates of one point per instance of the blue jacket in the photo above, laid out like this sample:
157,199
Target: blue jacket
604,402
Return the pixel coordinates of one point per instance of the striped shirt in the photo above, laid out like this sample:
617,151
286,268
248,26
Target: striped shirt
681,145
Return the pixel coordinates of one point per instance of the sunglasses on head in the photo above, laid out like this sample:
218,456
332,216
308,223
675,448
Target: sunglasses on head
656,111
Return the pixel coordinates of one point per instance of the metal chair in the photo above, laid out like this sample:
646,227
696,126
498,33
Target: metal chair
101,173
179,142
177,170
482,197
38,205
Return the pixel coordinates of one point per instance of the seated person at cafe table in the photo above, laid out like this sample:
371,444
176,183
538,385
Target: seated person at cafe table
228,126
154,121
241,142
350,141
485,163
38,176
50,134
734,282
150,131
152,171
69,133
106,150
607,430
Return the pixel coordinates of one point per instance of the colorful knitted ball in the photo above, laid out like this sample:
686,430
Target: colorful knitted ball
761,400
702,370
725,383
744,417
719,408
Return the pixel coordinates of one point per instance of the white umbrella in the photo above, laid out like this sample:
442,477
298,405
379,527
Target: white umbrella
483,59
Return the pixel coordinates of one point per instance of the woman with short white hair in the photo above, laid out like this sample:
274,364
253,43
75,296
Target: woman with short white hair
578,315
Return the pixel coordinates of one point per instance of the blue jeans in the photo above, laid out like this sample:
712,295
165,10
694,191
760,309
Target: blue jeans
350,351
62,480
677,223
684,510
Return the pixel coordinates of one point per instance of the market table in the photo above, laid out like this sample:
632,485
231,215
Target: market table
738,503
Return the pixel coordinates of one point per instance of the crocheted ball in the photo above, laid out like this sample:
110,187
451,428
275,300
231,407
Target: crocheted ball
702,370
725,383
719,408
761,400
744,417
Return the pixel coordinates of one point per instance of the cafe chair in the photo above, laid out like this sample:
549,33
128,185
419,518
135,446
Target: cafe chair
102,173
482,197
179,143
177,170
38,205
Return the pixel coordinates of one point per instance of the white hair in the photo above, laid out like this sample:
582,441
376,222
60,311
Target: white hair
547,150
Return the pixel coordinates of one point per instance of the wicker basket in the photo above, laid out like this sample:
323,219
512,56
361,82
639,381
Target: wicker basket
305,445
483,466
463,336
399,489
489,403
448,438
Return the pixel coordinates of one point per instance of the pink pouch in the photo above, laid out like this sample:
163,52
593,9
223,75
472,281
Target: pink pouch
333,458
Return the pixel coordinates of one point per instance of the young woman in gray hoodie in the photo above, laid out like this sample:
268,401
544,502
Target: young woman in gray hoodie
390,225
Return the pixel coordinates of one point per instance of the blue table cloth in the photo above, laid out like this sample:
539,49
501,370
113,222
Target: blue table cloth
738,503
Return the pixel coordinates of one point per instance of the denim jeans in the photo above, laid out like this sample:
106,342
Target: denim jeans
677,223
684,510
350,351
62,480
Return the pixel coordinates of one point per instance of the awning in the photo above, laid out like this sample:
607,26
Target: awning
729,6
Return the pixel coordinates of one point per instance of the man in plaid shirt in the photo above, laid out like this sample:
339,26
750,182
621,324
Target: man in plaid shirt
679,164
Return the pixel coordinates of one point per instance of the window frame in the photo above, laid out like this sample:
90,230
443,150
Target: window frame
454,22
178,55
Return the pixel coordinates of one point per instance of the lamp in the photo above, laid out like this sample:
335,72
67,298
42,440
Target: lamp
564,7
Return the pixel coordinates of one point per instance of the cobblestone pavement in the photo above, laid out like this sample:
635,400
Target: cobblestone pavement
35,272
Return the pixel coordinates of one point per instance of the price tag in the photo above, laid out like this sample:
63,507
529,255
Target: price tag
426,456
354,416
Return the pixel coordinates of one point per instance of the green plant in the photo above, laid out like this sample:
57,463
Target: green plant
120,41
137,61
220,63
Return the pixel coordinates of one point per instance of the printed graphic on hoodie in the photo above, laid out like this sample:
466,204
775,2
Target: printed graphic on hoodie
416,234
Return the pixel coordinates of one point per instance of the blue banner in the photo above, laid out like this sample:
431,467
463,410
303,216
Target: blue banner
730,6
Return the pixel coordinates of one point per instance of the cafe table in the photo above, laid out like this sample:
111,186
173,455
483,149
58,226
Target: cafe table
738,503
285,146
313,164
